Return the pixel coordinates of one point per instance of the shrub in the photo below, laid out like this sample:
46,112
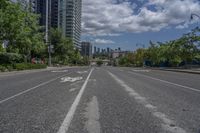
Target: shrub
10,58
2,68
99,62
25,66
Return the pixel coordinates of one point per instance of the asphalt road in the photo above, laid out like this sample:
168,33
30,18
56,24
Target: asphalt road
100,100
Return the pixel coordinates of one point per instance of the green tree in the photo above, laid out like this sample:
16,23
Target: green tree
140,57
21,29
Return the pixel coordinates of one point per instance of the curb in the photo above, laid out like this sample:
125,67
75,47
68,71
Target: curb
182,71
36,70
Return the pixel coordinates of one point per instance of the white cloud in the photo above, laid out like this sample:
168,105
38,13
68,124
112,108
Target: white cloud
110,17
103,41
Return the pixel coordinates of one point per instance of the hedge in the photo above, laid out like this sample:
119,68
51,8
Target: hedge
10,58
21,66
25,66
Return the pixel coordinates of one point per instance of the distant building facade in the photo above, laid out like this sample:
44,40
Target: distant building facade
117,54
86,49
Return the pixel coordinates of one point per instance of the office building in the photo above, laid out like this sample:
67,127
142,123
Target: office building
86,49
69,19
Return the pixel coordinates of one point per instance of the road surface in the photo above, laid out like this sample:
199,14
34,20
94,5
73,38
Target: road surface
100,100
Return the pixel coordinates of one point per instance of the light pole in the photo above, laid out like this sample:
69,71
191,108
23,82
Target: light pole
46,31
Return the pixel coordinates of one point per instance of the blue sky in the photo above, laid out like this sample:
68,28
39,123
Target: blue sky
125,23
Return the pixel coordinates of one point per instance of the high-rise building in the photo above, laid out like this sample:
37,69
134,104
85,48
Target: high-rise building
40,8
98,50
95,49
69,19
108,50
86,49
63,14
54,13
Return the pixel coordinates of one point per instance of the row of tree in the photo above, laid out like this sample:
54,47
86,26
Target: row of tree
184,50
20,29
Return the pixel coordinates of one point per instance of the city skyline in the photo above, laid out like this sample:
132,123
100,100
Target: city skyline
113,22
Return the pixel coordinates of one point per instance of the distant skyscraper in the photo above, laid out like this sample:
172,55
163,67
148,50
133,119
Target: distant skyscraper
69,19
95,49
98,51
108,50
86,49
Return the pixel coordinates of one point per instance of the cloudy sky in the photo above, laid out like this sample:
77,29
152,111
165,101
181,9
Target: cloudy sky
125,23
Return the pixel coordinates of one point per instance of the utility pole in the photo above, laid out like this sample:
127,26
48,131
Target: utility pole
47,32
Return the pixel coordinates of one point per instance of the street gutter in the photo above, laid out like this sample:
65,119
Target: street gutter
33,70
178,70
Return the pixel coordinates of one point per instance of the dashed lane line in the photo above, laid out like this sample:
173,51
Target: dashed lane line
66,123
164,81
166,122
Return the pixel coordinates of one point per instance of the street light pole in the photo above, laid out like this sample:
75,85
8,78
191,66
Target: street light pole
46,32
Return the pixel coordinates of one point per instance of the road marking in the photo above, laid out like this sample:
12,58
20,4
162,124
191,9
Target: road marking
66,123
164,81
23,92
92,115
81,72
59,71
73,89
70,79
140,70
167,125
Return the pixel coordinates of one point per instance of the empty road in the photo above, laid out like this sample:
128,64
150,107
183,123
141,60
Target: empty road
99,100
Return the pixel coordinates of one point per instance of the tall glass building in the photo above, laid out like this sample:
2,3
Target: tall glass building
40,8
69,19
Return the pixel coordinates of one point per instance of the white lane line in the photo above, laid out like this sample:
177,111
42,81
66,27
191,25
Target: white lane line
164,81
66,123
92,115
59,71
140,70
167,124
23,92
73,89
